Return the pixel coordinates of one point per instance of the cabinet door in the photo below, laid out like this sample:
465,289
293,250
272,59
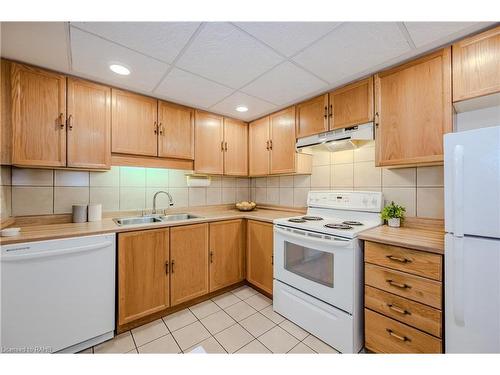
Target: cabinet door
226,253
476,65
176,131
5,113
134,124
352,105
89,124
258,147
38,117
312,116
414,108
209,143
189,262
235,147
260,254
143,284
282,129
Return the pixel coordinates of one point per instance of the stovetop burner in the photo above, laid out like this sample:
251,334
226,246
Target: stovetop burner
312,218
348,222
297,220
338,226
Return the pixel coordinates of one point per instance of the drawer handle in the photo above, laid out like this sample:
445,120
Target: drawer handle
399,259
396,336
398,309
398,285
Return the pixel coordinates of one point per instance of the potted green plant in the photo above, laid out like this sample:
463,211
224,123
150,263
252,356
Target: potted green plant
394,214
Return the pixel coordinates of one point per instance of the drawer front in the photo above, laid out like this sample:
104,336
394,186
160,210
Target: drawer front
402,284
409,312
385,335
406,260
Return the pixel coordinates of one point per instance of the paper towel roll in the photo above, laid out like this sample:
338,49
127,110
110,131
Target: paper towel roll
95,212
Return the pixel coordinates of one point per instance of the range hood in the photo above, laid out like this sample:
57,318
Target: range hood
339,139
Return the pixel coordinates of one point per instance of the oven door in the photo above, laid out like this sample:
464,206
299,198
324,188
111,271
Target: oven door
319,265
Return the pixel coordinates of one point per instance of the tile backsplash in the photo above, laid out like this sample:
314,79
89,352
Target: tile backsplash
420,190
44,191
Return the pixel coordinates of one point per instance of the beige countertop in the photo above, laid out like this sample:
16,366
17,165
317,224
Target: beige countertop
414,238
41,232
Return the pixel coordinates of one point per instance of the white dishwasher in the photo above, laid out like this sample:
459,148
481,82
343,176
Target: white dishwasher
57,295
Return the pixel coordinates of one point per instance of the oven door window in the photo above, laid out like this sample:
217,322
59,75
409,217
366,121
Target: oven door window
309,263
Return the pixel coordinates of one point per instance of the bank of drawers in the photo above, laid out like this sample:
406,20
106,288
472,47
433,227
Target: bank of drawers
403,300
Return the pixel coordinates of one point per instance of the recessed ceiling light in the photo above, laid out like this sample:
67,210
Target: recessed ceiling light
241,108
120,69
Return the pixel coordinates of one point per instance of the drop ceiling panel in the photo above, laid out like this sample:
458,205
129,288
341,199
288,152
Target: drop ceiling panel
352,48
256,107
92,55
423,33
189,89
285,83
39,43
161,40
225,54
288,38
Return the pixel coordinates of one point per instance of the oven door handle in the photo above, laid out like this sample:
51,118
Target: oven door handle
337,242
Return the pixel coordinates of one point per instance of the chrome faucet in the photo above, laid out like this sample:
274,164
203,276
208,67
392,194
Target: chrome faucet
170,200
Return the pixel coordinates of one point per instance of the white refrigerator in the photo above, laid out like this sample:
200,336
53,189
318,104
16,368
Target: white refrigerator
472,242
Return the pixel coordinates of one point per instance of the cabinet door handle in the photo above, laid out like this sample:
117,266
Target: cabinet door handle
272,260
155,127
267,145
222,146
396,336
270,144
377,119
211,256
166,267
326,111
331,110
62,124
398,259
398,285
225,146
398,309
172,266
160,127
70,122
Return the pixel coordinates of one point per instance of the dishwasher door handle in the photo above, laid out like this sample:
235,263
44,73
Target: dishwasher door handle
52,253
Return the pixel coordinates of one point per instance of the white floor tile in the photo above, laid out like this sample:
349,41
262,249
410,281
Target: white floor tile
204,309
255,347
165,344
122,343
259,301
217,322
240,311
269,313
233,338
179,319
278,340
225,300
209,345
257,324
149,332
317,345
190,335
300,348
244,292
294,330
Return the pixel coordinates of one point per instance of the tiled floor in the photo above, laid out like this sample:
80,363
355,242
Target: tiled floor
240,321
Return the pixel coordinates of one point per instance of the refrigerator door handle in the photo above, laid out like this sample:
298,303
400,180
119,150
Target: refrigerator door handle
458,190
459,289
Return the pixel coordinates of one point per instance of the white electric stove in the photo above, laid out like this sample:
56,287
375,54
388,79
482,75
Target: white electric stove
318,265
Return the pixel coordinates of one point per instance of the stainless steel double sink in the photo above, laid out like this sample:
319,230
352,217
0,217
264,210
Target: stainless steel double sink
150,219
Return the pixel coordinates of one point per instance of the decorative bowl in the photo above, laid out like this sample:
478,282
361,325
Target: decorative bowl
246,206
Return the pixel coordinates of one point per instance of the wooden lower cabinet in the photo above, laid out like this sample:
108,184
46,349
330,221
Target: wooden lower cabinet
188,262
260,255
227,253
403,309
143,282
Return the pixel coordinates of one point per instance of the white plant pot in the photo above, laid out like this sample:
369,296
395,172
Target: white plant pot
394,222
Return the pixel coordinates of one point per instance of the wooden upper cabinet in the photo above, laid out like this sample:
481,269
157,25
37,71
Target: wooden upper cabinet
352,104
6,113
413,103
188,262
476,65
38,117
176,131
88,124
312,116
209,143
282,146
134,124
235,147
258,147
227,255
259,257
143,283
